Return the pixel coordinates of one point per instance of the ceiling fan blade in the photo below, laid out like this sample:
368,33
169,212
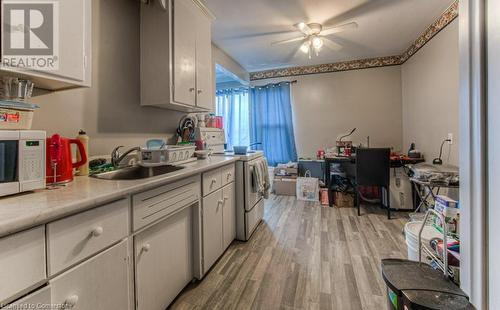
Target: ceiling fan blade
304,28
288,41
331,45
337,29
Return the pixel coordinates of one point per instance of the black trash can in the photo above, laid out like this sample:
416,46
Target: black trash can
423,300
411,285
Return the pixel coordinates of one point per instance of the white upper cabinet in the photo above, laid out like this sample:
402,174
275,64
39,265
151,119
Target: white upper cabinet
184,52
62,32
204,76
176,56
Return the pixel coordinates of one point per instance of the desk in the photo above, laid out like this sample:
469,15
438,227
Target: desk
350,161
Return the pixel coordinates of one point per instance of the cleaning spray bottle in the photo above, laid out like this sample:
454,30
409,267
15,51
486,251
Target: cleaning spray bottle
82,136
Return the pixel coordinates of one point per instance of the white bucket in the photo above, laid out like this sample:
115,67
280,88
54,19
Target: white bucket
411,233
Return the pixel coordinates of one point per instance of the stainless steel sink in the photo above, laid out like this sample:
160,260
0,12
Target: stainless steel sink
136,172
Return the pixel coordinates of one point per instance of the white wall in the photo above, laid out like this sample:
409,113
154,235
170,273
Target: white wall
222,58
493,165
430,91
110,110
330,104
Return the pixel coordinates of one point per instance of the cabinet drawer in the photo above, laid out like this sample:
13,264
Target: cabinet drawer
159,202
212,181
227,174
102,282
22,262
75,238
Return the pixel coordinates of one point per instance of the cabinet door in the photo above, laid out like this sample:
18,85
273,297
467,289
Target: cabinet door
22,262
229,214
212,229
71,43
101,282
184,51
205,96
40,299
163,257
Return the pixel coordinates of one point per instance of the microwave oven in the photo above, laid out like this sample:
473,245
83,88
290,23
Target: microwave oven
22,161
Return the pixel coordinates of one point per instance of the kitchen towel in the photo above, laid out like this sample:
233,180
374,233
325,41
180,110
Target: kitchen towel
261,180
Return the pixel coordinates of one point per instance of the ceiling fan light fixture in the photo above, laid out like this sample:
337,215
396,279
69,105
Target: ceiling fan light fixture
301,25
305,47
317,43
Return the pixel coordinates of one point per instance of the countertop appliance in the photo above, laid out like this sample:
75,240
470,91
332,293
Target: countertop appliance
213,138
22,161
60,163
249,203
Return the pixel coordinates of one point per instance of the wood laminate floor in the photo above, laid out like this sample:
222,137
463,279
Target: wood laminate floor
303,256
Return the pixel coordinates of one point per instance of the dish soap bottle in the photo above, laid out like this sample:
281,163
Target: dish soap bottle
82,136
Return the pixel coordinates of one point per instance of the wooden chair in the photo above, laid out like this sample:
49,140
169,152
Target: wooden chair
373,169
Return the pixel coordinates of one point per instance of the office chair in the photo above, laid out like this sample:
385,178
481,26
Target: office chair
373,169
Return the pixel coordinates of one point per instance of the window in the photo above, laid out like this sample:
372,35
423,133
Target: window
233,106
262,116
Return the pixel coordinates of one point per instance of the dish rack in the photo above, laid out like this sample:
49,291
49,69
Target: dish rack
440,262
167,155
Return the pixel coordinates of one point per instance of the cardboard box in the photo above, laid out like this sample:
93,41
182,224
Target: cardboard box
449,209
285,186
343,200
285,171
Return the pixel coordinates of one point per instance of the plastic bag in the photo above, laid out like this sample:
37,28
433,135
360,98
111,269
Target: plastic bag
307,188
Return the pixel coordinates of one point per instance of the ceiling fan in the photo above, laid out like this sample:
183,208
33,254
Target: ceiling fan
313,37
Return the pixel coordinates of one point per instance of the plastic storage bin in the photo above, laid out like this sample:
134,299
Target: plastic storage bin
16,115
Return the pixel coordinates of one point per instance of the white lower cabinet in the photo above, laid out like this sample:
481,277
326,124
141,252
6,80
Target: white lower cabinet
22,263
212,229
39,299
100,283
229,214
219,224
164,261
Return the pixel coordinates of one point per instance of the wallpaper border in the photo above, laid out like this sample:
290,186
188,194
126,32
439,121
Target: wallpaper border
444,20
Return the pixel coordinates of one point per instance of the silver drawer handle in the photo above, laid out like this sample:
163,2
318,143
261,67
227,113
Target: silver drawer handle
97,231
191,89
200,91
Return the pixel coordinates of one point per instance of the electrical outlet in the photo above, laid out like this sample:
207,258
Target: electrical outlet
450,138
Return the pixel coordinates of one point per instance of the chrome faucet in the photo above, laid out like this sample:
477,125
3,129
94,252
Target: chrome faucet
116,158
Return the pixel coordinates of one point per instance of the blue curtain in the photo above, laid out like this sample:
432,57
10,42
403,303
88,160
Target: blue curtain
233,106
271,122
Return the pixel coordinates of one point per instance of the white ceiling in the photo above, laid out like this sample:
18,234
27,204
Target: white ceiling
386,28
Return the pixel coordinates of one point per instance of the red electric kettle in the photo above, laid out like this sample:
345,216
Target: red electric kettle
59,164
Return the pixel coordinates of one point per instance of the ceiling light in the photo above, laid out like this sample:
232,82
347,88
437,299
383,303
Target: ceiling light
301,25
305,47
317,43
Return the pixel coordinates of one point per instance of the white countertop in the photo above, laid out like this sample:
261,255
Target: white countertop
23,211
